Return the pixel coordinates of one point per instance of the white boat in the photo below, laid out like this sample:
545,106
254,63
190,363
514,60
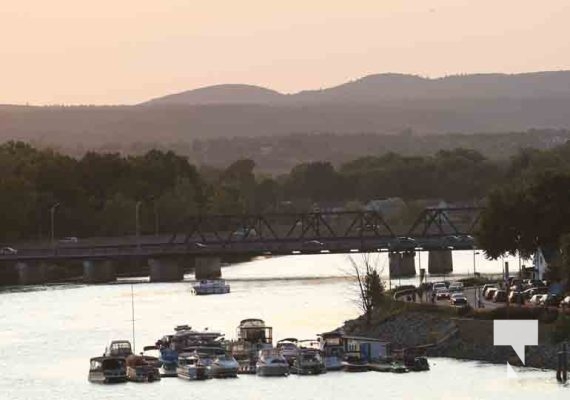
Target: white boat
217,286
191,367
309,359
107,370
223,365
271,363
288,349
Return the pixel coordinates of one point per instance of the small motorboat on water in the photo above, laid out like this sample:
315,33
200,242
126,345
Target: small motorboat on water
288,349
271,363
141,368
417,364
308,362
191,367
223,365
107,370
216,286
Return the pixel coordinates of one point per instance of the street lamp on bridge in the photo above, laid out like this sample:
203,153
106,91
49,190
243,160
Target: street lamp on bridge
52,222
137,224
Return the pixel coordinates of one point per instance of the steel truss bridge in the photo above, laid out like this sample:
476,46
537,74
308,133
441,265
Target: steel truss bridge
278,234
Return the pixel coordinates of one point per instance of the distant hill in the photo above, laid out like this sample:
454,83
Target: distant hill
378,104
390,87
221,94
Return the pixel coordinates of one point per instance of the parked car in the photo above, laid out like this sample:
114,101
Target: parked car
8,251
551,300
490,293
442,294
458,299
536,299
528,293
455,288
516,297
488,286
438,285
565,302
500,296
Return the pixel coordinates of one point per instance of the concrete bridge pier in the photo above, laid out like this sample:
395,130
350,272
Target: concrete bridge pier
402,265
165,269
440,262
207,268
99,271
31,273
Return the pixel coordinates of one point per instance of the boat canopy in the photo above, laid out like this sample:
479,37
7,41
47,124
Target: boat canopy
119,348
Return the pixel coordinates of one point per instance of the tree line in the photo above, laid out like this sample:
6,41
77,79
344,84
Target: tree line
99,193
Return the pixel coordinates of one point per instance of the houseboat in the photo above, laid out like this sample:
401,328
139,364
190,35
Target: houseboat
359,352
107,370
271,363
216,286
252,336
333,350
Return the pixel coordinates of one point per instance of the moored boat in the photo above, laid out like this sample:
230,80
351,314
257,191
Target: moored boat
308,361
288,349
252,336
191,367
353,363
271,363
333,351
215,286
142,368
107,370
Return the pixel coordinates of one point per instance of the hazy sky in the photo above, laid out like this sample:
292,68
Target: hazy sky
127,51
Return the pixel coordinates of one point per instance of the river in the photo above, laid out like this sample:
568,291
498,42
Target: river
48,334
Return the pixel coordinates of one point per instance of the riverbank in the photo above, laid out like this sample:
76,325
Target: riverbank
441,332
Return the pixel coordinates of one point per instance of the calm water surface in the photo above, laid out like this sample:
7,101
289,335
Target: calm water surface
48,334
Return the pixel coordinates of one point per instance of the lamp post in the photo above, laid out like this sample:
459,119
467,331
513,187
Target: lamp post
52,222
474,265
137,225
155,219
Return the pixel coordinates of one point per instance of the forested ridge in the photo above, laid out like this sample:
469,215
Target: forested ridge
96,194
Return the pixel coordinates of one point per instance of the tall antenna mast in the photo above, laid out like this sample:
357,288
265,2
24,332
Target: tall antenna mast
133,315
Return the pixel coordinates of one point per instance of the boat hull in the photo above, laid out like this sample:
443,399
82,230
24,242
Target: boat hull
143,374
272,370
223,372
101,377
308,369
193,374
354,367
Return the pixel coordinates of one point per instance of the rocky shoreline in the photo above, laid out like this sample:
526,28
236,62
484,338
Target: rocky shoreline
441,334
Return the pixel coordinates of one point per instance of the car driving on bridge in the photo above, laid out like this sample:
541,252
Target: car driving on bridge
8,251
